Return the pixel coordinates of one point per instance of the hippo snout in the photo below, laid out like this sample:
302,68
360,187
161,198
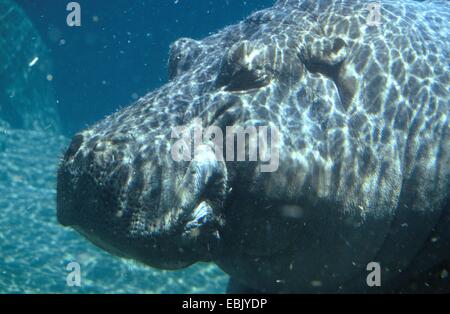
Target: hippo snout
90,185
130,199
65,196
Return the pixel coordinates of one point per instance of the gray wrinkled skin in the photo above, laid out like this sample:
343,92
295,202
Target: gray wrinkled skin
364,152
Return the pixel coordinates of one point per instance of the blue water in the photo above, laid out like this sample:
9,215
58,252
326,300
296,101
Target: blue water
118,54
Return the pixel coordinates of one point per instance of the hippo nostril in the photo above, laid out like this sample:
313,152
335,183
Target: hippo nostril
74,146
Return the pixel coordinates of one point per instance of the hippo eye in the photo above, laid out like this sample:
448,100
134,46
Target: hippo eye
247,65
182,55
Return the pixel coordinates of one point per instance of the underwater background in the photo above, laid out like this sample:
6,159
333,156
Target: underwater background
56,80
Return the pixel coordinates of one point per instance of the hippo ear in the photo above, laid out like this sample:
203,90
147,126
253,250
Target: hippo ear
327,57
182,55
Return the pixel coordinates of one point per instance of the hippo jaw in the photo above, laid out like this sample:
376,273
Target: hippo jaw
142,214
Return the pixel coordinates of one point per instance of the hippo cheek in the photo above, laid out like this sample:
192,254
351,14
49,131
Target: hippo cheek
191,205
193,221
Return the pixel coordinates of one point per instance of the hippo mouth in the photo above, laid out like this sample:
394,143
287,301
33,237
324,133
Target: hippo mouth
194,237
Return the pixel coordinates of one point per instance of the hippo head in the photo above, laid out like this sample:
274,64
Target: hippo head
121,187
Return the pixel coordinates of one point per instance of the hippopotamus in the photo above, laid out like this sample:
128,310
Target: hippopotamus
361,183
